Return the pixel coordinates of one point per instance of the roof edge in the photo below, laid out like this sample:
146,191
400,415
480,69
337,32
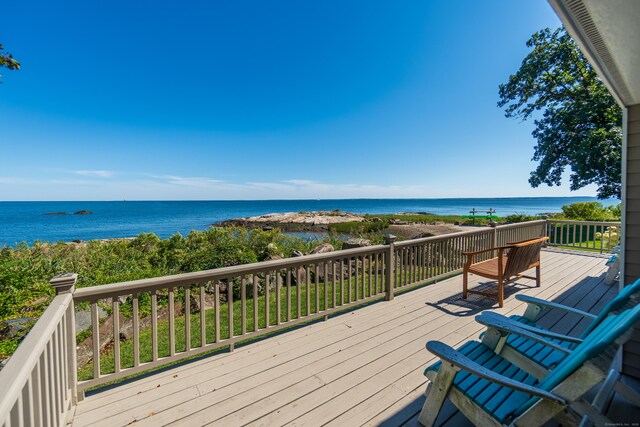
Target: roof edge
577,20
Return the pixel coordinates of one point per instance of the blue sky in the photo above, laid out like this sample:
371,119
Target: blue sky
262,100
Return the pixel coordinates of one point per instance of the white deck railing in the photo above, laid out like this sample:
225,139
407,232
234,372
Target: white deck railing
264,297
38,384
171,318
599,236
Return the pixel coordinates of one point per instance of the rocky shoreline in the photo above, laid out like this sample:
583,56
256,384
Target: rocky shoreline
321,221
294,221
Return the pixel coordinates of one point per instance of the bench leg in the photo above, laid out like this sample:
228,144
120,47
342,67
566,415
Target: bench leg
538,276
465,283
501,292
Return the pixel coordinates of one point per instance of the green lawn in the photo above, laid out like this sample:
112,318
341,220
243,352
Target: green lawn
588,245
311,297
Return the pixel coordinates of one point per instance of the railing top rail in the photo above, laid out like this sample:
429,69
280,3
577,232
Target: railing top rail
568,221
522,224
442,237
17,371
123,288
478,230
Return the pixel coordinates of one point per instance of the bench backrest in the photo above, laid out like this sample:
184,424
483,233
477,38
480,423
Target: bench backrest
522,255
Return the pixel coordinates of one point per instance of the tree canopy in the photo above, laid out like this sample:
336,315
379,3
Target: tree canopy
578,124
7,60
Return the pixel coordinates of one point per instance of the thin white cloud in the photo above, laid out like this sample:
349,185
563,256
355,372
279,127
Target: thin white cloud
188,181
15,180
73,182
300,182
184,187
98,173
173,187
295,189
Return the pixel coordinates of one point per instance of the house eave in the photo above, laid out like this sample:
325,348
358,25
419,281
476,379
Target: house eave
606,31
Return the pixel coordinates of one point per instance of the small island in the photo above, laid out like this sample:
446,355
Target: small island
403,225
80,212
295,221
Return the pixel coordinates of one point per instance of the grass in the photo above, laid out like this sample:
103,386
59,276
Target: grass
357,227
376,223
312,300
588,245
428,218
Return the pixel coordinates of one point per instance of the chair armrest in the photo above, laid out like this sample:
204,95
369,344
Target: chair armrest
511,328
491,317
548,304
448,354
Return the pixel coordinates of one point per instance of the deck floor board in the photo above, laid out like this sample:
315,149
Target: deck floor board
360,368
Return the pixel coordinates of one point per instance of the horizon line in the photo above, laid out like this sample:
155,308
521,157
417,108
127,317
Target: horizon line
309,199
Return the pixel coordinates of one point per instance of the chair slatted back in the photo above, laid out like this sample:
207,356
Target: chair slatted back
627,298
523,255
595,345
599,347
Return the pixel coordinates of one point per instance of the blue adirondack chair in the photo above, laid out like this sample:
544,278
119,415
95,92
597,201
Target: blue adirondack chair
536,356
490,390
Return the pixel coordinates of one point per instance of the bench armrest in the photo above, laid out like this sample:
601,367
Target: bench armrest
448,354
471,253
510,327
497,248
539,239
548,304
490,318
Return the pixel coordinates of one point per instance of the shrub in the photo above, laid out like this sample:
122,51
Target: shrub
589,211
25,270
611,235
356,227
616,211
519,217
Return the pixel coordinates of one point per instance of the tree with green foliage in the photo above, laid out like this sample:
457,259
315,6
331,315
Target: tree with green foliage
581,124
591,211
7,60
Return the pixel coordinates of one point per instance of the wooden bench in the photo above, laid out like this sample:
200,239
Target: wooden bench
512,260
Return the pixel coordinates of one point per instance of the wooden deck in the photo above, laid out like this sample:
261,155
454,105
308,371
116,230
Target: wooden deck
360,368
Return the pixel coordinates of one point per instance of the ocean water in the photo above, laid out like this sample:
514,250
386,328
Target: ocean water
28,222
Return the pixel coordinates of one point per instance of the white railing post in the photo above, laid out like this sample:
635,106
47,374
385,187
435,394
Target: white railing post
546,230
66,284
494,226
390,265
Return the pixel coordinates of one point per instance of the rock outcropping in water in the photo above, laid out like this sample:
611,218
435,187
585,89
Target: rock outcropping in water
295,221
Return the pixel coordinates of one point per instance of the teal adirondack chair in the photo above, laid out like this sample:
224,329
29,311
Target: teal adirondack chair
490,390
539,357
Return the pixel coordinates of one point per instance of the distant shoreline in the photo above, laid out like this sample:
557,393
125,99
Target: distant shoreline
26,222
405,225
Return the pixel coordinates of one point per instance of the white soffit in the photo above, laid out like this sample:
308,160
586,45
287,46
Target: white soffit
608,32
